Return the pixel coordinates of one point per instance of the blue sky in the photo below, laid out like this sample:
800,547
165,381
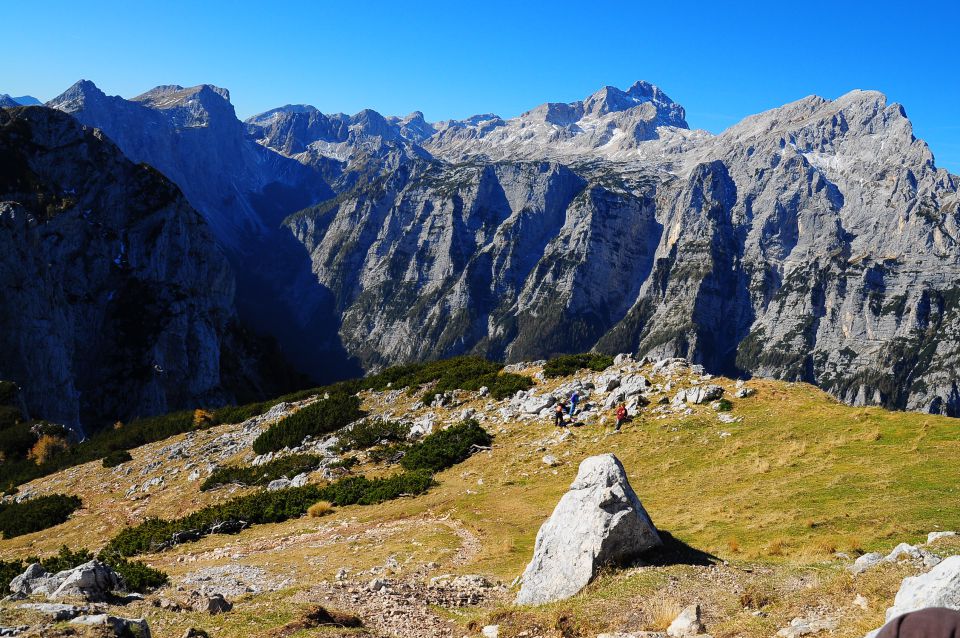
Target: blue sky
722,61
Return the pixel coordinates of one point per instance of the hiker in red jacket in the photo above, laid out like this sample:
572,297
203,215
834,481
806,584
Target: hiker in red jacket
621,416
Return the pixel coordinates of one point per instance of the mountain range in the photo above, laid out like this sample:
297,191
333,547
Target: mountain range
814,242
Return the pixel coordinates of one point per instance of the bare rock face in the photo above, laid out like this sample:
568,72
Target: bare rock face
116,300
814,242
600,521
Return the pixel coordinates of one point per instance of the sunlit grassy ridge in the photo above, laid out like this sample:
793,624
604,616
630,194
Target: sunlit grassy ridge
799,477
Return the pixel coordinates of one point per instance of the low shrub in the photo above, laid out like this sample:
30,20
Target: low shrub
507,384
320,508
567,364
388,453
115,458
9,391
47,448
323,417
263,507
136,575
43,512
9,416
446,448
287,466
345,463
365,434
458,373
724,405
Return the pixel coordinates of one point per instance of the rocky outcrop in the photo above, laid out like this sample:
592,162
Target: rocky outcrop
599,522
940,587
116,300
92,580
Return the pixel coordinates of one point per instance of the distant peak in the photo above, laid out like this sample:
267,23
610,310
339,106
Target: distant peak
79,94
168,95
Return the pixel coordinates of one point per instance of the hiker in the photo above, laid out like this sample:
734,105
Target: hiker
574,397
558,414
621,416
932,622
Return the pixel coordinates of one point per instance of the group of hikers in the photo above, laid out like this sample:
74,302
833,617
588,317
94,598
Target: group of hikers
562,410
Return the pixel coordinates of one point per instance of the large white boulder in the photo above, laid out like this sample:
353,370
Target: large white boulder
600,521
92,580
940,587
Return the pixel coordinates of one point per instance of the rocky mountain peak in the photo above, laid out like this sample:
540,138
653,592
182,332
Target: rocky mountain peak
81,93
194,107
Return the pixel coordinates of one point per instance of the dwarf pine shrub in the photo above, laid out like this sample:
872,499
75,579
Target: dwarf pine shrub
287,466
446,448
323,417
43,512
567,364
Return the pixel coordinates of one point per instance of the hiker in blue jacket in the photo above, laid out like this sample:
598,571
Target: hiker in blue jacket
574,397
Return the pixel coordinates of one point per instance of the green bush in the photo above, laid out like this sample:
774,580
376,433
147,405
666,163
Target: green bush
16,441
724,405
388,453
446,448
345,463
323,417
17,519
507,384
456,373
137,576
365,434
568,364
115,458
288,466
265,507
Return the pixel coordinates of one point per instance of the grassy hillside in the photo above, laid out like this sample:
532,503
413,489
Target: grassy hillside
775,495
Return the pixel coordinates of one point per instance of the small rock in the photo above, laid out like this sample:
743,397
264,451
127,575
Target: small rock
491,631
933,537
278,484
121,627
551,460
861,602
865,562
213,605
687,624
57,612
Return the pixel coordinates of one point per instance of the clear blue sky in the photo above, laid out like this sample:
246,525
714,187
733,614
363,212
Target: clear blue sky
721,60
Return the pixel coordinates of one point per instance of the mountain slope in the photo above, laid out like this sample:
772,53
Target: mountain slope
757,501
116,300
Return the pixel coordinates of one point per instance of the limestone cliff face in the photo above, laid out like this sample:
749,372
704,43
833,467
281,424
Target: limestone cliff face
116,300
815,242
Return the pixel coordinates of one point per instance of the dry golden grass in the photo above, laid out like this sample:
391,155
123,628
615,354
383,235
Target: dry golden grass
660,612
320,508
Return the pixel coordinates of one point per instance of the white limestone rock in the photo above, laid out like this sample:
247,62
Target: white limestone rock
599,521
